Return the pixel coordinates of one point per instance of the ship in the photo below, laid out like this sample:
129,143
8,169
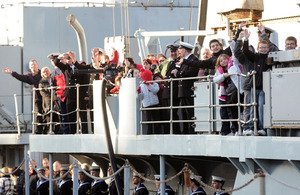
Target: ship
250,164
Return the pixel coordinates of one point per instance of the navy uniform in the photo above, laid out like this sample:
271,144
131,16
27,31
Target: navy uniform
98,187
113,188
84,188
168,189
65,185
220,180
140,190
199,190
167,91
42,187
186,88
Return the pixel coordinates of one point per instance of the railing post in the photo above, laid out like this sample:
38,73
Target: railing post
33,111
17,115
239,103
210,108
171,106
77,109
126,180
51,173
51,112
162,173
254,104
26,169
75,178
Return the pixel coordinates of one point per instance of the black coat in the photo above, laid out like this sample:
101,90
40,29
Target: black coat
65,188
43,189
185,87
168,190
167,87
99,187
199,191
113,188
141,190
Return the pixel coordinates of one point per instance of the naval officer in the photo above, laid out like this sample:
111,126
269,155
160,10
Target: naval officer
99,187
139,189
218,183
168,189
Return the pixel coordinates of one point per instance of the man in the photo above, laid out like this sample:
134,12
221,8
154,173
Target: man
45,164
139,188
84,186
167,90
64,63
185,87
65,185
290,44
168,189
112,183
56,174
6,183
42,185
218,183
33,78
99,187
195,186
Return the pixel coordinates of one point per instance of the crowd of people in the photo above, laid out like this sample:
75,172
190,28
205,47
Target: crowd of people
14,184
223,64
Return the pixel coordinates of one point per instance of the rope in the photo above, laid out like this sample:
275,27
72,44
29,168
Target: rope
224,191
155,181
282,183
11,173
103,178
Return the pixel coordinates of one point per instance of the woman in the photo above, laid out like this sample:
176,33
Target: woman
45,92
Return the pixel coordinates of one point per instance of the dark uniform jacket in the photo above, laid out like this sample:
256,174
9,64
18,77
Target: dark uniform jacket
167,88
65,187
221,193
141,190
113,188
99,187
199,191
168,191
42,187
185,87
84,188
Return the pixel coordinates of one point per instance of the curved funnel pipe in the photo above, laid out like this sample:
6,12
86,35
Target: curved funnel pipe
80,37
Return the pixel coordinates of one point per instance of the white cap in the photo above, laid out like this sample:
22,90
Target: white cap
196,177
217,178
186,45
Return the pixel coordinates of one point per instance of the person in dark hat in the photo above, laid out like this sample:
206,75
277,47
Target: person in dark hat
166,96
112,183
218,183
185,87
139,189
264,33
195,186
99,187
85,185
65,185
42,185
168,189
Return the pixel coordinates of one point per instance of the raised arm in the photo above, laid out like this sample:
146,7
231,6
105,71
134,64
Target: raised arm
264,36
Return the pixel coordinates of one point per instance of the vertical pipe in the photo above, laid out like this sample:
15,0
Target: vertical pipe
75,181
26,148
77,108
262,185
17,115
162,173
126,180
51,174
33,112
210,108
228,27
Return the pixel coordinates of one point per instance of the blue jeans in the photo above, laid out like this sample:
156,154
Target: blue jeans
260,99
247,100
64,118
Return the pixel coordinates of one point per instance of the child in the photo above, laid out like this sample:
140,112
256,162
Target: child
227,92
147,92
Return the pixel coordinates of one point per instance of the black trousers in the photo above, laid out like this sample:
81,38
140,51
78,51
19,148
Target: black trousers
176,126
187,114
